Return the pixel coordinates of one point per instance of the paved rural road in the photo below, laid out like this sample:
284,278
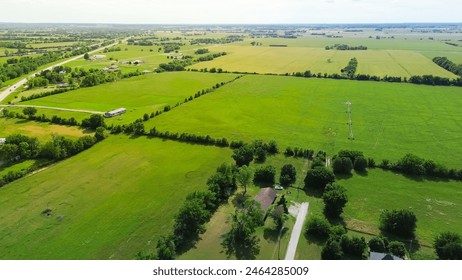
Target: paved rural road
295,236
55,108
4,94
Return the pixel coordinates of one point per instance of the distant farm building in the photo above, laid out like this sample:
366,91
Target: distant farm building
2,141
97,57
115,112
266,197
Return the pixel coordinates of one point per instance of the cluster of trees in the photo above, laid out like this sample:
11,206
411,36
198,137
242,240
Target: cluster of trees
43,94
19,148
265,175
187,137
345,47
449,65
258,150
112,49
434,81
299,152
201,51
197,210
214,41
175,65
413,165
210,56
345,161
171,46
381,244
25,65
350,70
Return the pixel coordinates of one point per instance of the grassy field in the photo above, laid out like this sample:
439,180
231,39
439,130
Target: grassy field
437,204
389,120
403,63
43,131
139,95
116,199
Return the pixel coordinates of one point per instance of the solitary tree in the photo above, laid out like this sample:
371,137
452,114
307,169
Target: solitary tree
318,178
400,222
243,155
288,175
86,56
244,176
335,199
30,111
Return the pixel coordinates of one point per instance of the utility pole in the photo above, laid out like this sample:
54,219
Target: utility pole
350,124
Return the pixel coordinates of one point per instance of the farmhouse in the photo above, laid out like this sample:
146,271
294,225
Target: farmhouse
115,112
266,197
2,141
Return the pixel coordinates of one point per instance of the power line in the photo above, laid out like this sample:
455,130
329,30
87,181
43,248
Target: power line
350,124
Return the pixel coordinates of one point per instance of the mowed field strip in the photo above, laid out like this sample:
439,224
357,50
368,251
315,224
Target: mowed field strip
282,60
389,120
107,203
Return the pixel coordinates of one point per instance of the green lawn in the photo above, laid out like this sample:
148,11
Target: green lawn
139,95
389,120
437,204
109,202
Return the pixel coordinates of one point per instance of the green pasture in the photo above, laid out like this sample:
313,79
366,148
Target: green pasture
109,202
282,60
43,131
436,203
389,120
139,95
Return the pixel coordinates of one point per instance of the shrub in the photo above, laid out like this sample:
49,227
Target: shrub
398,222
448,246
342,165
318,227
360,164
265,174
318,178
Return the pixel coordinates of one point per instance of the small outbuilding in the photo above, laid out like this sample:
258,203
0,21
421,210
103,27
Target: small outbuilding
266,197
115,112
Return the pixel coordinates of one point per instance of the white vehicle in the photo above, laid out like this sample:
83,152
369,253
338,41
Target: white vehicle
278,187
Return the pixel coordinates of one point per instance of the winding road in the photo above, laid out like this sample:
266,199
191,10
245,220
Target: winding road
4,94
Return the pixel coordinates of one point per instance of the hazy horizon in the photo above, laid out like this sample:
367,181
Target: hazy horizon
231,11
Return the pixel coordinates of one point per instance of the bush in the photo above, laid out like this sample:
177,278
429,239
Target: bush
397,248
360,164
353,246
265,174
342,165
318,227
376,244
318,178
411,164
332,251
448,246
399,222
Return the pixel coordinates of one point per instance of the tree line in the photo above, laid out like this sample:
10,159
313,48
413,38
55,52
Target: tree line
345,47
445,63
18,148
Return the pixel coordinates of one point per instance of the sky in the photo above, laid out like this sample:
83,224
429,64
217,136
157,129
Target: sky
230,11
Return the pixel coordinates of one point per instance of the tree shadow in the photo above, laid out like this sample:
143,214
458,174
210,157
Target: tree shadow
336,221
314,239
239,199
364,173
343,176
241,251
272,234
313,192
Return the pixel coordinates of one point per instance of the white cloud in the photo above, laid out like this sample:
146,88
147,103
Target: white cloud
230,11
